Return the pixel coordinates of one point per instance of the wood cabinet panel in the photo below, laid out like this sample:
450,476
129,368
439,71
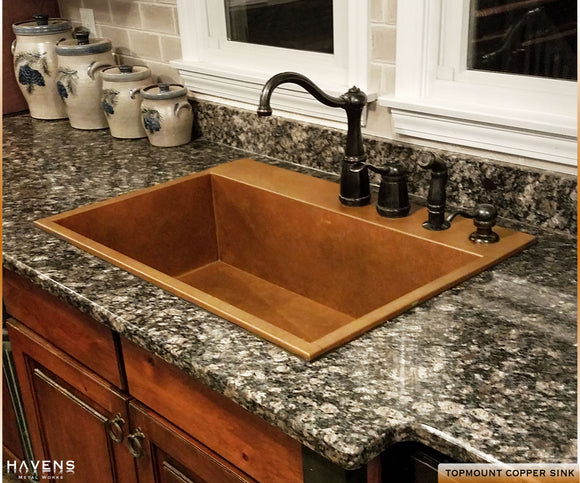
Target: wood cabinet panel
171,456
69,410
256,447
91,343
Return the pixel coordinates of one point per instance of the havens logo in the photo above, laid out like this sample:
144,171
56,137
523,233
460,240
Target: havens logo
41,469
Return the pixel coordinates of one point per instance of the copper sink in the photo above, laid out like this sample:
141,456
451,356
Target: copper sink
275,252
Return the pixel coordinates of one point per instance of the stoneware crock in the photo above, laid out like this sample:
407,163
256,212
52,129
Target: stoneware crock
167,115
121,99
35,63
79,80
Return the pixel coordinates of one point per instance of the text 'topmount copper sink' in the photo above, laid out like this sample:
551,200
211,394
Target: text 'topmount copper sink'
275,252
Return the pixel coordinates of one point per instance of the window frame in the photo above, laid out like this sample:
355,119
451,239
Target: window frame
438,99
215,68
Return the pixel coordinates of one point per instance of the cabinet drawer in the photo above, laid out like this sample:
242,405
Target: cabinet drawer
249,443
85,339
167,454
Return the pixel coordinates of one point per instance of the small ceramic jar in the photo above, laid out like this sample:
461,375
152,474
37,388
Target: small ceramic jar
79,81
167,115
35,63
121,99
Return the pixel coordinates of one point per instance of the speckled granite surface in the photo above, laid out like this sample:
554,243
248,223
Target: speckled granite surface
483,372
536,197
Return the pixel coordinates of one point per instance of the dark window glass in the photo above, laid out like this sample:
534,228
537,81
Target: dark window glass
529,37
292,24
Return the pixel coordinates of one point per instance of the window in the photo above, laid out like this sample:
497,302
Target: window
466,74
231,47
535,37
292,24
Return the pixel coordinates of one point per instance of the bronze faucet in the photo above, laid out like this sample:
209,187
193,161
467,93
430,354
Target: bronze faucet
354,179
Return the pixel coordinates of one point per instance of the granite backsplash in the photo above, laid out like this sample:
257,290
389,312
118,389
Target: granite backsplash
541,198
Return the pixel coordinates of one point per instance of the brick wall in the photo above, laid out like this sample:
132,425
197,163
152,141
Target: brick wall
142,32
383,15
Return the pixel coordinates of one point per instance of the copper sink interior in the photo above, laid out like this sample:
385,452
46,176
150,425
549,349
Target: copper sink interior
275,252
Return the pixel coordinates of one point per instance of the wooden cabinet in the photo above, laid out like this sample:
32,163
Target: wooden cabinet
165,454
251,444
74,415
78,417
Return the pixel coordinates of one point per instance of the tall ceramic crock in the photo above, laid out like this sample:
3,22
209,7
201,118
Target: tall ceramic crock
35,63
167,115
79,81
121,99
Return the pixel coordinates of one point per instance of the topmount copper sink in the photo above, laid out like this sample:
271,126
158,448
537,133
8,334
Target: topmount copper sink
275,252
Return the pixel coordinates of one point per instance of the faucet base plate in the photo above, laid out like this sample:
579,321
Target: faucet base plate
365,200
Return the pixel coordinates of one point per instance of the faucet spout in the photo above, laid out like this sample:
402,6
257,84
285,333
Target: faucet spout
354,181
294,78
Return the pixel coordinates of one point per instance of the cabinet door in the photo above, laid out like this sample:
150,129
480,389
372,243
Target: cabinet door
74,415
164,454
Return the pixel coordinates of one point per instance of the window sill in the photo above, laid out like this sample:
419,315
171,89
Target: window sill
552,138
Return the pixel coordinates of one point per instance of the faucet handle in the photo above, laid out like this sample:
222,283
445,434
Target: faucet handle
393,201
484,219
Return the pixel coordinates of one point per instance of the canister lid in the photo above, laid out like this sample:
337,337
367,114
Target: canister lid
163,91
126,73
41,25
82,45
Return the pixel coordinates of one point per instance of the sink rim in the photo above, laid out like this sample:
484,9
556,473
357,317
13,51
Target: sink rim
323,194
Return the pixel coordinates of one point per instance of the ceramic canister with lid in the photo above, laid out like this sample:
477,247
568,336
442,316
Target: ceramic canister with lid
121,99
167,115
35,63
79,81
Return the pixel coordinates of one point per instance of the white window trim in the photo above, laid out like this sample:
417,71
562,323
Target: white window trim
437,99
234,73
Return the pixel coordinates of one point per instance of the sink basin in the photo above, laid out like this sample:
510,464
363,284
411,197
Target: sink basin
275,252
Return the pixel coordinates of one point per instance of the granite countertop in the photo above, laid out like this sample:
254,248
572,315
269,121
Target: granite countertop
484,372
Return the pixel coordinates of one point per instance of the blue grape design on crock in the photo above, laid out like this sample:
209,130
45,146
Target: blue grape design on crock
61,89
151,120
67,83
31,67
109,101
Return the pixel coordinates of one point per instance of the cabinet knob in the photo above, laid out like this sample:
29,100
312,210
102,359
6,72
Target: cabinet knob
134,443
115,428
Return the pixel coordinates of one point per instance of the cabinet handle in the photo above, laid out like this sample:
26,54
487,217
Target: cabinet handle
134,443
115,428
